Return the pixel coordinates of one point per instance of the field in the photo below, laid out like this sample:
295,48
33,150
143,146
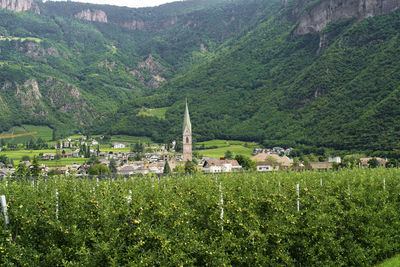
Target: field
156,112
17,155
130,139
43,132
33,39
218,148
344,218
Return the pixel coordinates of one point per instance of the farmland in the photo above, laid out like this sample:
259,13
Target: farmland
218,148
343,218
43,132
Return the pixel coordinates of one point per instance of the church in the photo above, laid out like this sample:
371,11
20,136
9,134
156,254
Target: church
187,136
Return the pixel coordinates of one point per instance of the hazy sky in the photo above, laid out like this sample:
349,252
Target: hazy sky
130,3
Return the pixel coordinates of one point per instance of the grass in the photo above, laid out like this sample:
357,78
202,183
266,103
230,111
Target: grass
43,132
33,39
218,148
63,162
17,155
156,112
392,262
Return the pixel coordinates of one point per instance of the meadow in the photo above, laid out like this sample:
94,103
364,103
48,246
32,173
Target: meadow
343,218
43,132
218,148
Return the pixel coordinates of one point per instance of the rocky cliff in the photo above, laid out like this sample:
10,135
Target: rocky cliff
316,15
17,5
92,15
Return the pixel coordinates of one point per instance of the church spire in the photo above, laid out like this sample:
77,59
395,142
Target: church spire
186,120
187,136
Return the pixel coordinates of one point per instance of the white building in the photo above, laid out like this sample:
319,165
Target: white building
119,145
335,159
218,166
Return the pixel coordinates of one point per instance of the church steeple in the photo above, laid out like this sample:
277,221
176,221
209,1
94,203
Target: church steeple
186,119
187,136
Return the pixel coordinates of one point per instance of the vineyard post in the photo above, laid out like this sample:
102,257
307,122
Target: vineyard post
222,207
279,186
57,204
384,184
4,209
320,182
129,197
298,197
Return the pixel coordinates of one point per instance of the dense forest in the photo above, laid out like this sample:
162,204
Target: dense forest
246,72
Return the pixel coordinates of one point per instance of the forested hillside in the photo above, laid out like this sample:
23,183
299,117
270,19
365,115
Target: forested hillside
61,70
337,88
272,71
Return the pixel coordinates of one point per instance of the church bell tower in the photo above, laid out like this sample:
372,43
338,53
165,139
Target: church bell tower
187,136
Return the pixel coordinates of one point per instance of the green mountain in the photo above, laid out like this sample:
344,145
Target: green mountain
294,72
288,83
68,65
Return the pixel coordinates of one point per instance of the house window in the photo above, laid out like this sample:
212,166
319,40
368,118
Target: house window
187,140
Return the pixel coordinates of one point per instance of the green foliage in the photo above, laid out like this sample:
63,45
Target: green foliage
373,163
246,162
112,166
228,154
348,221
190,167
98,169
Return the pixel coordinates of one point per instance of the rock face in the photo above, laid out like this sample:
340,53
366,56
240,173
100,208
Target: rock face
16,5
315,18
148,72
133,25
92,15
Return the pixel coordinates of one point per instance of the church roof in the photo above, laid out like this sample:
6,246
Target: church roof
186,120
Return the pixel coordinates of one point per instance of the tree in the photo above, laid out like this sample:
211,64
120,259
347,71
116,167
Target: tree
392,163
93,160
98,169
167,168
296,162
35,170
228,154
25,158
113,165
190,167
245,162
58,155
138,157
21,170
3,159
373,163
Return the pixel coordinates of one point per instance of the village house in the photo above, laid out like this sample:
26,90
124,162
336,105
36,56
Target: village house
127,170
119,145
283,161
321,166
143,170
48,156
156,167
364,162
219,166
337,160
267,166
